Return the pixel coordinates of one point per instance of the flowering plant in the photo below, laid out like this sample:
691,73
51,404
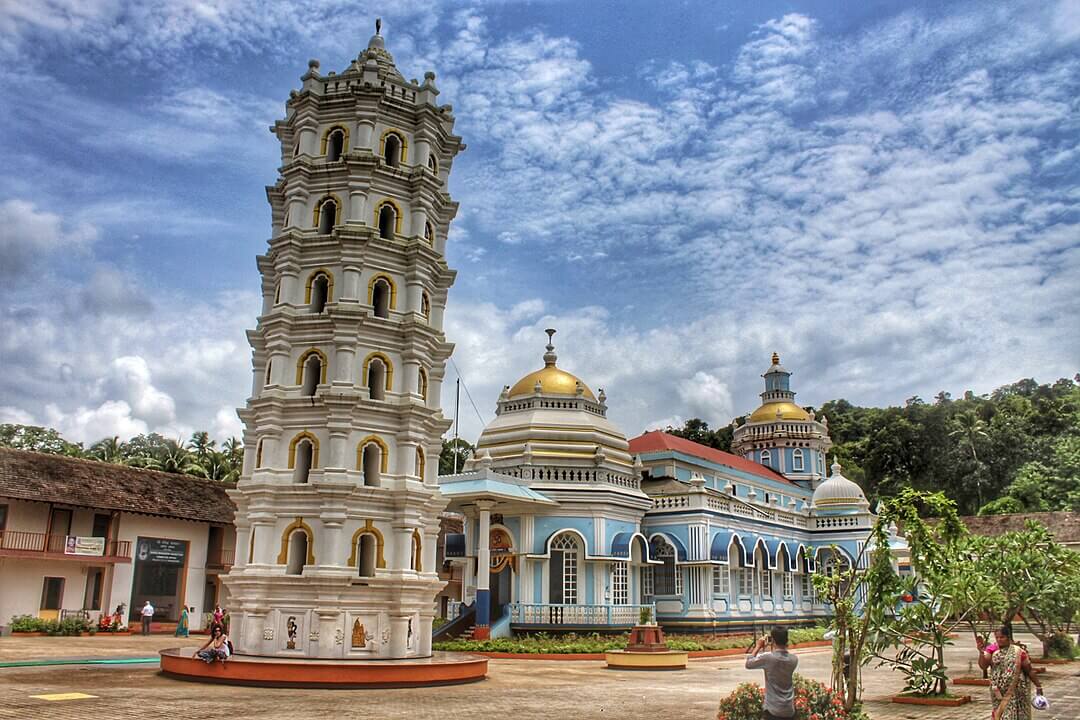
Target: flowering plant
813,701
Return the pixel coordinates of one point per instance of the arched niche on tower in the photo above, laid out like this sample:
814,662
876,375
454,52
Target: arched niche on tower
382,295
377,363
287,540
372,460
335,143
359,558
394,147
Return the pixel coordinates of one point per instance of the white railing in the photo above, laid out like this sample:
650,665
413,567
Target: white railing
556,614
702,501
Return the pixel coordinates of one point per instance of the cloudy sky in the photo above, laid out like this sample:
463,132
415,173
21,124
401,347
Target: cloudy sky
886,193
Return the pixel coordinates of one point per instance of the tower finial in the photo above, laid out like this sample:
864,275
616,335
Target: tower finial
550,357
378,25
776,358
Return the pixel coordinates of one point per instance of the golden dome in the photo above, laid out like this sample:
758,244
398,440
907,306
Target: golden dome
788,411
552,381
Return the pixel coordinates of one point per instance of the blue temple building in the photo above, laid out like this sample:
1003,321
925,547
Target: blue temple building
568,525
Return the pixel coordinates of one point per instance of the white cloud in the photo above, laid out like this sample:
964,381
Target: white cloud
29,236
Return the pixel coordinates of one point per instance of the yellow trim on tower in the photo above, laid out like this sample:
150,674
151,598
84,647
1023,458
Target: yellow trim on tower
344,140
304,358
298,524
422,383
384,457
322,201
421,462
418,551
397,214
368,529
314,449
311,281
403,152
371,289
386,364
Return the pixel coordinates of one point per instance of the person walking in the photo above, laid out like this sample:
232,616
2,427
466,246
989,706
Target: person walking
182,625
779,666
147,613
1011,677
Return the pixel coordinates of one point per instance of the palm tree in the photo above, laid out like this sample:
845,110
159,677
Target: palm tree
967,428
173,458
201,444
216,466
234,449
109,450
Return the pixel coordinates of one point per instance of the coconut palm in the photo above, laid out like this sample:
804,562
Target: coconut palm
216,465
109,450
201,444
967,429
172,458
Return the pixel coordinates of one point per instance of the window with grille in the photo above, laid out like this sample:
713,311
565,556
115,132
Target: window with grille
647,584
666,575
789,586
720,581
619,585
564,565
766,583
807,588
746,582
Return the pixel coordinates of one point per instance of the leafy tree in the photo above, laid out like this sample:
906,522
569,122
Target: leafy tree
697,430
454,450
201,445
173,457
38,439
216,465
109,450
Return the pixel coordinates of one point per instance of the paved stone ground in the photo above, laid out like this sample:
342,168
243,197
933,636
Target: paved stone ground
514,690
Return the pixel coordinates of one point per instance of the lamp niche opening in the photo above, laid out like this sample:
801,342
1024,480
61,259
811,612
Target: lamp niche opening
365,555
372,462
298,552
320,290
387,221
327,217
302,466
312,375
334,146
380,298
376,380
392,150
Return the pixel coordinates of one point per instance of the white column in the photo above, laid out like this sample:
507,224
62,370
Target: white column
358,207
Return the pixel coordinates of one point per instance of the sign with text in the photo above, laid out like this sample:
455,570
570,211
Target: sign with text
160,550
84,546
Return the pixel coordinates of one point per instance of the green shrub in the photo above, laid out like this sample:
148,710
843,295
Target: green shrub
1062,646
28,623
812,701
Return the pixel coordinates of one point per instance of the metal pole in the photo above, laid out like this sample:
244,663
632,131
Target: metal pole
457,421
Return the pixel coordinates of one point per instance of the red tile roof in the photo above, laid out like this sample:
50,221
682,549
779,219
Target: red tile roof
88,483
659,441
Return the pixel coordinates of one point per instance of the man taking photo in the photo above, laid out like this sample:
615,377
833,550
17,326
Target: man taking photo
779,666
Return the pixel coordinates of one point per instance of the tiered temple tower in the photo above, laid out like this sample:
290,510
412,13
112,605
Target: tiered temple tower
338,504
782,435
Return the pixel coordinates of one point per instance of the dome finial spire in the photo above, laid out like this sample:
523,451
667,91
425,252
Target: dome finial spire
550,357
776,358
378,26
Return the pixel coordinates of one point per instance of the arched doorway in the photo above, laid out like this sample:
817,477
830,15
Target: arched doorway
502,565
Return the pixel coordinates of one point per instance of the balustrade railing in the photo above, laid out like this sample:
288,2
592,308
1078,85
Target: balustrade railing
564,614
33,542
703,501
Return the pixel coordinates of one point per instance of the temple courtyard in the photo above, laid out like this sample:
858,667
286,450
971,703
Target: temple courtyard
517,689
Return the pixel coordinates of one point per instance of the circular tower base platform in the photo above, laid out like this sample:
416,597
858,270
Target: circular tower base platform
441,668
663,660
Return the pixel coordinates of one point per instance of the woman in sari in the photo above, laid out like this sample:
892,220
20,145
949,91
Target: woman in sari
182,623
1011,677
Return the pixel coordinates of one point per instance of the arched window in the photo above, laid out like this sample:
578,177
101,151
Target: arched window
258,453
303,456
380,298
797,461
665,576
393,148
376,380
422,383
766,458
334,144
319,291
296,149
433,163
378,375
429,233
326,216
563,575
277,292
417,561
312,371
372,460
298,552
425,305
365,555
387,221
421,462
269,371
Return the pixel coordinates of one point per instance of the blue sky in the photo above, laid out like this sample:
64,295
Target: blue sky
886,193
